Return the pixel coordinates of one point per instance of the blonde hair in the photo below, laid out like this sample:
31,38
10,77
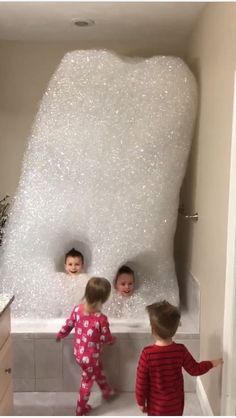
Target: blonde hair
97,291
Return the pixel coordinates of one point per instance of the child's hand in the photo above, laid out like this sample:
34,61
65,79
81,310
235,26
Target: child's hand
113,340
217,362
58,339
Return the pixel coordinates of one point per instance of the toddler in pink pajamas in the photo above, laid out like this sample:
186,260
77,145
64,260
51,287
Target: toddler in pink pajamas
91,333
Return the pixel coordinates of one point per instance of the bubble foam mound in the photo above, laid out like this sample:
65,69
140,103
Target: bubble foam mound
102,173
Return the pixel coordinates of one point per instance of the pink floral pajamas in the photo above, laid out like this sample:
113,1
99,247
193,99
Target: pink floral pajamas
91,333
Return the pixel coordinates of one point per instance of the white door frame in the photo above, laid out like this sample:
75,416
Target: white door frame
228,405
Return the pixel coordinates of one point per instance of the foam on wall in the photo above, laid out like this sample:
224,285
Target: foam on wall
102,172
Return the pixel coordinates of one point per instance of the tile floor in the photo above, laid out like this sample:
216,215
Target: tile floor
63,404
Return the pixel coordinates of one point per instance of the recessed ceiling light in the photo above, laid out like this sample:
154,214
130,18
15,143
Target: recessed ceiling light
82,23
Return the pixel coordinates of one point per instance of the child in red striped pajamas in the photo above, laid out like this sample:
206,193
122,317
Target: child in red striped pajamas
159,379
91,333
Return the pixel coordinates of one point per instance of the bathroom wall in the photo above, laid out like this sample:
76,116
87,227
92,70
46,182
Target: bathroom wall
202,246
25,69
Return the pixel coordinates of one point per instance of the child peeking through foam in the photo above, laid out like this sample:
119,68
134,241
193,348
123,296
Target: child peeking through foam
124,281
74,262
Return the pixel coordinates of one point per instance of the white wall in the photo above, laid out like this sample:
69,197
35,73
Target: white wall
212,56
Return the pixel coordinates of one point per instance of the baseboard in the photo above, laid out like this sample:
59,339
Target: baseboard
203,399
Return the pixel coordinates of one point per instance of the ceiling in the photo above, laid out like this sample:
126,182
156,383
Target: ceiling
115,21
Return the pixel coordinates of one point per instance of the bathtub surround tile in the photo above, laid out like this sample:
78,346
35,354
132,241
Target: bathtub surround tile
33,404
144,336
48,359
23,358
21,332
189,382
129,351
63,404
23,385
71,371
56,368
63,412
65,399
187,336
49,385
111,362
194,300
190,291
192,345
194,348
33,411
45,336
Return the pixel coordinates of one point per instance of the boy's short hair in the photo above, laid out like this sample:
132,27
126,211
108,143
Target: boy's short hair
164,319
74,253
97,290
124,270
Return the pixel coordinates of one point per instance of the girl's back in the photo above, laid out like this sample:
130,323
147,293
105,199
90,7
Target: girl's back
91,332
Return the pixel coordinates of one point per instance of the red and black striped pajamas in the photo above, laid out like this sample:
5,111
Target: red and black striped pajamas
159,380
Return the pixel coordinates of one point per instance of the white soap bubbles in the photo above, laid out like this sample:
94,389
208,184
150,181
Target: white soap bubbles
103,168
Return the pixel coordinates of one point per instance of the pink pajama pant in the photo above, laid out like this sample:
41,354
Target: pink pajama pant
90,373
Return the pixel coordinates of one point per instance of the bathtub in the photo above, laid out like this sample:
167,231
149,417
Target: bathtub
117,325
187,328
42,364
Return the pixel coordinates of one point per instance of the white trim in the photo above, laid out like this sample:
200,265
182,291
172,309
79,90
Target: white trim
229,303
203,399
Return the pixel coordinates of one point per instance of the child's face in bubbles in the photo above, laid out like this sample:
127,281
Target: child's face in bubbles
73,265
125,284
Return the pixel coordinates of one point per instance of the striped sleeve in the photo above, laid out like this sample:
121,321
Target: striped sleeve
193,367
142,380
